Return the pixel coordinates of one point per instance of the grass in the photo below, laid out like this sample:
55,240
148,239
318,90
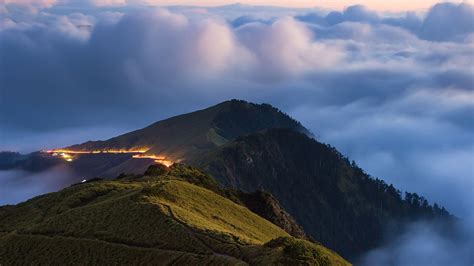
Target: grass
297,251
16,249
209,211
164,219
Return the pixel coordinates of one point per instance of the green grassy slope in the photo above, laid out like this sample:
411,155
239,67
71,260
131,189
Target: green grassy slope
160,218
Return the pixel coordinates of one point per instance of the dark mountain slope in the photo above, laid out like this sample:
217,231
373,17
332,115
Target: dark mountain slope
166,217
268,207
175,139
335,201
187,135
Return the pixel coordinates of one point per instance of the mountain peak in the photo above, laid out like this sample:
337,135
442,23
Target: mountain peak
185,136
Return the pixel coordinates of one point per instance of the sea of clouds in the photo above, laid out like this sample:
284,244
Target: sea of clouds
393,91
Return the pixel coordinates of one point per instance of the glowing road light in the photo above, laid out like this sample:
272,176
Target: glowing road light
68,155
165,162
149,156
65,151
158,158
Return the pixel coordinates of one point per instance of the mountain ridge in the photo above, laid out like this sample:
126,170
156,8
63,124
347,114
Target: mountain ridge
259,149
188,135
333,199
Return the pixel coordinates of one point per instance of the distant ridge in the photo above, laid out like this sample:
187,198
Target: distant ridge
182,137
177,139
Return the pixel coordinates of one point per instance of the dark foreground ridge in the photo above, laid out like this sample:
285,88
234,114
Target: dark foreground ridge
176,216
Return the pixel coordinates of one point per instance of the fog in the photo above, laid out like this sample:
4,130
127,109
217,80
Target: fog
17,186
424,243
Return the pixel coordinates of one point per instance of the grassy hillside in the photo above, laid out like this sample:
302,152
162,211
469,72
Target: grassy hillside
166,217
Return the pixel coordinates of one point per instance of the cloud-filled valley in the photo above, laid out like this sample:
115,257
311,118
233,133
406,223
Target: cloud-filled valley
394,92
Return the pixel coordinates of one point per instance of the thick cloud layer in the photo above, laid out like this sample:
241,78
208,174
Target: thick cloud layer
18,186
424,243
134,61
394,93
444,22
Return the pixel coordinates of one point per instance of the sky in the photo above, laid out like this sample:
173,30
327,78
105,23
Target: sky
391,90
387,5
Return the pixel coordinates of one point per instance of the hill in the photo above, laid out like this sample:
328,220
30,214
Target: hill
182,137
334,200
172,140
257,149
171,215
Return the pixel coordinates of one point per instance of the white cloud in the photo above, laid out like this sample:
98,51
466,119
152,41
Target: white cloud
36,3
103,3
423,243
286,48
447,22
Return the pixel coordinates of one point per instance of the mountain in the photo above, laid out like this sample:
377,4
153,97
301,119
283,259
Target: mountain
176,139
282,173
186,136
175,215
334,200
